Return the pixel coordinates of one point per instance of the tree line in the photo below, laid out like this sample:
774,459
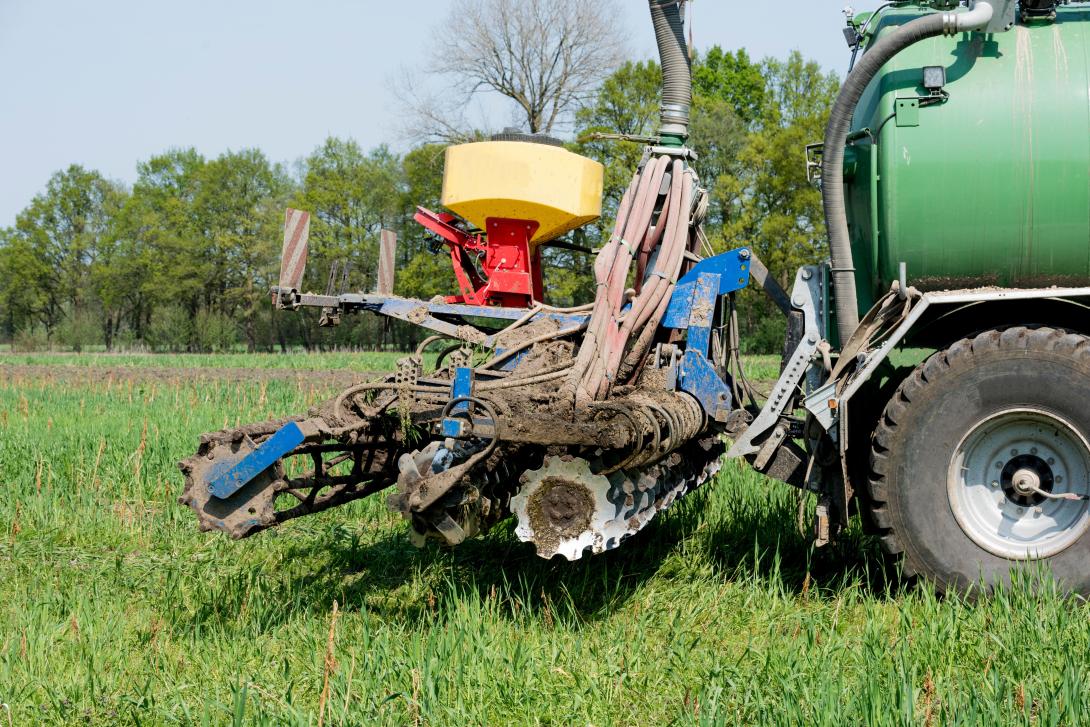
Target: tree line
182,260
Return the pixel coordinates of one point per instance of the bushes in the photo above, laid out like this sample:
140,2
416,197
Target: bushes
214,332
766,336
30,339
79,330
172,330
169,330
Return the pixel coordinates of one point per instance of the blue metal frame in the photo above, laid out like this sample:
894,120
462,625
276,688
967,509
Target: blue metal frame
287,438
460,388
733,271
692,308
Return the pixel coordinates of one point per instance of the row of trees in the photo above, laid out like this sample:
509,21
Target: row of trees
183,259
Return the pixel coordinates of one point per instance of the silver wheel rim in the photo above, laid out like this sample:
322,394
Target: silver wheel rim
995,474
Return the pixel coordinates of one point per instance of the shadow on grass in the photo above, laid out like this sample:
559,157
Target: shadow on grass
753,533
740,529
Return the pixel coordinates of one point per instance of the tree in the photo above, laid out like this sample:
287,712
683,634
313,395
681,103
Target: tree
162,226
423,272
733,78
22,283
543,56
627,102
768,202
240,209
351,196
57,241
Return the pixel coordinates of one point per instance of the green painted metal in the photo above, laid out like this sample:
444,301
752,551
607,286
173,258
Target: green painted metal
991,187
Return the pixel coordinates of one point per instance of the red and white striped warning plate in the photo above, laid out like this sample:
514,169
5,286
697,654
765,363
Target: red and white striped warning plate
293,259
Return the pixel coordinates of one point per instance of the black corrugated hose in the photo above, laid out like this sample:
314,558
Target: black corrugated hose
832,166
677,83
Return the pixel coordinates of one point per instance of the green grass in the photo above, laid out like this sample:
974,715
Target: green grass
114,609
362,361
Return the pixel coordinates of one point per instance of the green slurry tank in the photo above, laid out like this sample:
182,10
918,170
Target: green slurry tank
969,157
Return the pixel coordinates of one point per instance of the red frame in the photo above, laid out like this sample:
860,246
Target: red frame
510,274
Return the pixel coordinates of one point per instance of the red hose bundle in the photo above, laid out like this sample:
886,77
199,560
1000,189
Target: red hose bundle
614,334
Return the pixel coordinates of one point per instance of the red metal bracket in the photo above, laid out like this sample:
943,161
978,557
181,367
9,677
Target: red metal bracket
510,272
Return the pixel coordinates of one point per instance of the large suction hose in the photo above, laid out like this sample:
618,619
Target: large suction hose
677,83
836,138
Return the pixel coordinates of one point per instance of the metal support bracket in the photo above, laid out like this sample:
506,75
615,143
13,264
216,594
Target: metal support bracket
732,269
692,308
693,372
446,318
1004,17
805,296
287,438
460,389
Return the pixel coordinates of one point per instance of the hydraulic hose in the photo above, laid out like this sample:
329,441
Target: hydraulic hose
677,84
836,138
623,322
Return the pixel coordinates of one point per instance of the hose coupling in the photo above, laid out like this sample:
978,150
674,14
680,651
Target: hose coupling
949,24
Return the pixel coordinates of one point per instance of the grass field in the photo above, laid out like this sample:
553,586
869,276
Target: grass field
115,609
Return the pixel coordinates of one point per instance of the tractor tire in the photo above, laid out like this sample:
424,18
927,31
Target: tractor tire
971,454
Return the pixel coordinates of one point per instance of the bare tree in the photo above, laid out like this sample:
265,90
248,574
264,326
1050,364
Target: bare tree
544,55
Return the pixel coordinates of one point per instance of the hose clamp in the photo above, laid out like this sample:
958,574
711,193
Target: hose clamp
949,24
675,111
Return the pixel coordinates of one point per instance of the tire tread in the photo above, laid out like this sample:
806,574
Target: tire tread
961,355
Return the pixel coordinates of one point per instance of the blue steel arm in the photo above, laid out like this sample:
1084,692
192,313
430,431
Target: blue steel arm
692,307
264,456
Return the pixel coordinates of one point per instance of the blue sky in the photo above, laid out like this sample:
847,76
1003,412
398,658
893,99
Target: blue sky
106,83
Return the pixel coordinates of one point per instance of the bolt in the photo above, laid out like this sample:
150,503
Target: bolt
1033,450
744,254
1038,510
812,338
999,465
807,274
1014,452
1052,460
798,301
1021,511
1059,479
995,483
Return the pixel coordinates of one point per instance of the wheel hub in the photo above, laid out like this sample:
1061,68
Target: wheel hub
1024,478
1000,476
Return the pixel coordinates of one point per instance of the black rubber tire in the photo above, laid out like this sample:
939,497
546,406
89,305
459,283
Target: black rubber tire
529,138
932,410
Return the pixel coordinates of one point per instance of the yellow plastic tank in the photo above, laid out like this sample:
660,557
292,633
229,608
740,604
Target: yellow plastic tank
524,181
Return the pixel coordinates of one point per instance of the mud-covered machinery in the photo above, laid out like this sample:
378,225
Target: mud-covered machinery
584,422
934,371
